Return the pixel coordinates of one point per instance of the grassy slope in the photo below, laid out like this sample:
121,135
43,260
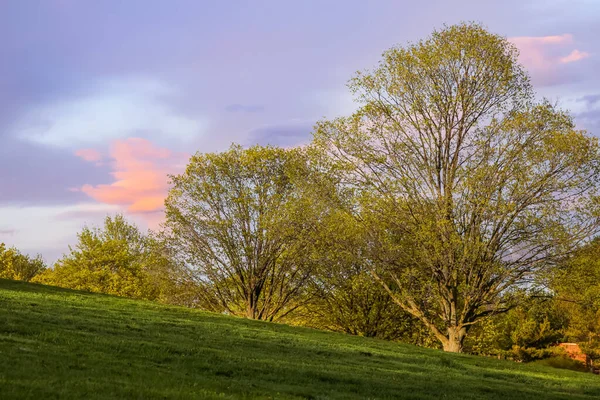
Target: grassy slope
57,343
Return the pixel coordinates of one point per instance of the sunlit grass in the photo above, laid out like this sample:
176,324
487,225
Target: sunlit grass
57,343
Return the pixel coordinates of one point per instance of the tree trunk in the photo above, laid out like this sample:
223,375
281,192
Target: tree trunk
251,307
454,342
250,312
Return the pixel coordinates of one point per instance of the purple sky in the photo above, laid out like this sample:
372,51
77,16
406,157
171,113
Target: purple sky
100,99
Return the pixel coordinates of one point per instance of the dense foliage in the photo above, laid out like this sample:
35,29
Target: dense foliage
473,187
115,259
242,221
576,288
18,266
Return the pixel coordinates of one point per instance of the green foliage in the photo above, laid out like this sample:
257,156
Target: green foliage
525,333
58,343
115,259
466,187
242,221
352,302
344,296
576,284
17,266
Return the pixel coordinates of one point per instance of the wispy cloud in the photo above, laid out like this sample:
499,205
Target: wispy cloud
545,56
291,133
111,110
590,99
89,155
35,174
588,113
575,55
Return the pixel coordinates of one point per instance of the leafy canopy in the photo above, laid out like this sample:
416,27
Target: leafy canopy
17,266
241,221
465,184
114,259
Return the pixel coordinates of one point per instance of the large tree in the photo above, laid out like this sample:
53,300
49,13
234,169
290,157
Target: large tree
467,186
241,221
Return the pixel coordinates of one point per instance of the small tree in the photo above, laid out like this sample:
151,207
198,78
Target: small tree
576,287
17,266
115,259
471,187
241,221
346,298
526,332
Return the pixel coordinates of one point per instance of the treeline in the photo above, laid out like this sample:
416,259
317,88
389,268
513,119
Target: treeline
451,210
346,299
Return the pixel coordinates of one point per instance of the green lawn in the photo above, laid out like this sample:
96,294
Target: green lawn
62,344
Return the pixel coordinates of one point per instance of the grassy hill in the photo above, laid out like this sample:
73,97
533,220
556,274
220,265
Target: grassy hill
57,343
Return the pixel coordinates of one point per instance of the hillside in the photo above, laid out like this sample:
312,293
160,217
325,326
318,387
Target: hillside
57,343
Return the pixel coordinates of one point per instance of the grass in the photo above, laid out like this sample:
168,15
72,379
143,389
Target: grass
564,363
63,344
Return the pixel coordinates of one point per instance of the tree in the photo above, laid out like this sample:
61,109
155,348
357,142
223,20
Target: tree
241,221
527,332
115,259
576,288
17,266
346,296
469,187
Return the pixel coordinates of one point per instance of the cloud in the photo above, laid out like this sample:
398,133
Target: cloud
89,155
546,57
251,108
140,171
590,100
589,117
34,174
287,134
110,110
575,55
7,232
537,52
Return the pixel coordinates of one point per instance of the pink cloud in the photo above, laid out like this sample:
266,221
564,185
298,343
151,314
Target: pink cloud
544,56
575,55
89,155
140,171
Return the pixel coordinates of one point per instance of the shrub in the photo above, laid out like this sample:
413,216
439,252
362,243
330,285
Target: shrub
563,362
17,266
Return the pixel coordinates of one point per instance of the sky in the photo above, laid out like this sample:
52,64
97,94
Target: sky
101,100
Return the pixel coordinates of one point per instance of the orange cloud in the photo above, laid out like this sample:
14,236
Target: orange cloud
544,55
89,155
140,171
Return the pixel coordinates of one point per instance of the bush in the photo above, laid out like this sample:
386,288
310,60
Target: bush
529,354
563,362
115,259
17,266
525,333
